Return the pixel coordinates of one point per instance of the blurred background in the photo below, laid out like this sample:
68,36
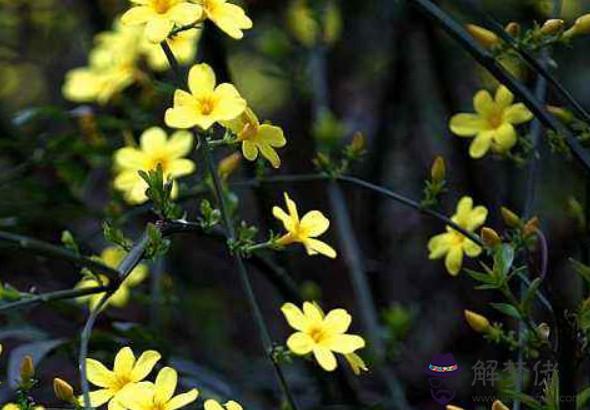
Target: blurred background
382,69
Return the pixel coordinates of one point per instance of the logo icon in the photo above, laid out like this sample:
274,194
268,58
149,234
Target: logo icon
440,369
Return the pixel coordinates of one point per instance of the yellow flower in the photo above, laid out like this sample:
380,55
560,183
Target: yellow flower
160,16
155,149
11,406
304,230
183,45
158,395
126,371
215,405
256,137
112,67
493,122
321,335
206,103
112,256
228,17
453,243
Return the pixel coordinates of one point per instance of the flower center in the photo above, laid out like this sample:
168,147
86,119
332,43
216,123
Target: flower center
121,381
495,120
162,6
248,132
209,6
317,334
457,238
161,161
207,105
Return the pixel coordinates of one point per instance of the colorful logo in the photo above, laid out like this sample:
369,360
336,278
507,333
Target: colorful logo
440,368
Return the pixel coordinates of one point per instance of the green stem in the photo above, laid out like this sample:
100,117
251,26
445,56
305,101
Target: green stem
263,331
487,60
52,296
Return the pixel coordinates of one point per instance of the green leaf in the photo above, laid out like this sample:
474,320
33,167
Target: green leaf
581,269
503,259
583,398
507,309
531,293
482,277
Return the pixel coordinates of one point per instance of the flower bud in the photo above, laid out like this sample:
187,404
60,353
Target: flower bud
581,26
229,165
564,115
552,26
490,237
477,322
27,369
451,407
510,218
483,36
358,143
543,330
531,227
438,169
63,391
512,28
498,405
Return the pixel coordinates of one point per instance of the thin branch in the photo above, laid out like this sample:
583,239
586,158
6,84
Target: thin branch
487,60
51,296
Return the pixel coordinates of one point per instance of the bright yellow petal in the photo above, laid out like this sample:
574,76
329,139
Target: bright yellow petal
250,150
97,397
157,29
270,154
213,405
325,358
464,207
231,19
313,314
185,13
300,343
180,144
471,248
233,405
283,217
503,97
153,141
137,275
344,343
180,167
136,396
114,404
129,158
439,245
481,144
98,374
291,207
181,117
504,138
483,102
517,114
201,80
229,103
144,365
315,246
454,260
337,321
314,223
137,15
165,385
124,361
476,218
272,135
294,316
182,400
467,125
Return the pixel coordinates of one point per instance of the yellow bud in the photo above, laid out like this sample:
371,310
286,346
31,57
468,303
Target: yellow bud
451,407
0,349
490,237
532,226
27,369
229,165
512,28
581,26
510,218
552,26
543,330
438,169
63,390
483,36
564,115
498,405
358,143
477,322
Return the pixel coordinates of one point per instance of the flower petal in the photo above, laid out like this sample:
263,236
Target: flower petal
292,207
183,117
137,15
325,358
312,313
124,361
439,245
180,144
213,405
182,400
481,144
270,154
185,13
231,19
476,218
503,97
144,365
337,321
229,103
272,135
467,125
294,316
504,138
344,343
129,158
201,79
314,223
97,397
454,260
233,405
471,248
517,114
165,385
250,150
98,374
315,246
300,343
153,140
483,102
181,167
157,29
